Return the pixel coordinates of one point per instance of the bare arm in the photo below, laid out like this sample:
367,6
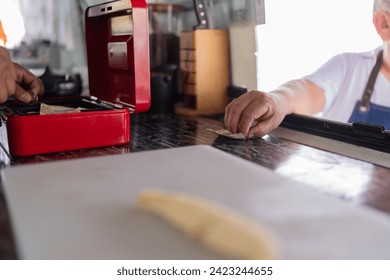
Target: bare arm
269,109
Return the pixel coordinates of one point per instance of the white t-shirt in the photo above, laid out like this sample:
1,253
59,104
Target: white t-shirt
343,79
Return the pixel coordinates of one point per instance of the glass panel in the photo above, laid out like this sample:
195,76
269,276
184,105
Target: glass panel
301,36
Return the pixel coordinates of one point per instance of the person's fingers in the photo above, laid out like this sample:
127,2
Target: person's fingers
23,76
255,111
262,127
11,86
3,93
227,113
229,117
37,87
234,116
268,121
25,96
235,110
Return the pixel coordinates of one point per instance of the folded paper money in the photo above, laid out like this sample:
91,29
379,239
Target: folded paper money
50,109
227,133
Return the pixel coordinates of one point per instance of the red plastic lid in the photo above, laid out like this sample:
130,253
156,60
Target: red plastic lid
117,35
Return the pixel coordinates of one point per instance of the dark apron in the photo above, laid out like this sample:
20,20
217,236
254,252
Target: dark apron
368,112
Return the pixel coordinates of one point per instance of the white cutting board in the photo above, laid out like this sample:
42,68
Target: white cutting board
85,208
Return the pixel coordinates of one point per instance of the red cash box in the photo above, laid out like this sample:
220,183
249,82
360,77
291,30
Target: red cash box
117,39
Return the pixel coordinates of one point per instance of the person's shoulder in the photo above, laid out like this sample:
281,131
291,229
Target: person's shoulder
357,57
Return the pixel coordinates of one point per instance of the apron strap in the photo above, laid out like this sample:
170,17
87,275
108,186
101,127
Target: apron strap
365,104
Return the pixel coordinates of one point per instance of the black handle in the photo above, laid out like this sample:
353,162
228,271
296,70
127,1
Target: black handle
201,14
361,134
368,130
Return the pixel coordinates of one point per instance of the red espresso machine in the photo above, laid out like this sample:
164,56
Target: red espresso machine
117,38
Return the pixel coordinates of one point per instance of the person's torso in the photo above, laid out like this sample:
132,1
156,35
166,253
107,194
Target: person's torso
357,71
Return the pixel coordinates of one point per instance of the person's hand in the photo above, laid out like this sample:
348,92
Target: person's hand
28,86
256,113
17,81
